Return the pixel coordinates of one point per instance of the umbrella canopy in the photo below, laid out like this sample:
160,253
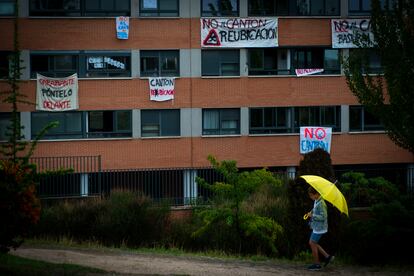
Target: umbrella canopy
328,191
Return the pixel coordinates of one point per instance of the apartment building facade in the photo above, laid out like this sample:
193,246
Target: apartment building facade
244,103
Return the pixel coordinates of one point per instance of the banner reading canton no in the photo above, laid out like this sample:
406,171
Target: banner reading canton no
161,89
239,32
347,33
57,94
313,137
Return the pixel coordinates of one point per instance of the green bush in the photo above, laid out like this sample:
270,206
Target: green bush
386,237
229,222
363,192
124,218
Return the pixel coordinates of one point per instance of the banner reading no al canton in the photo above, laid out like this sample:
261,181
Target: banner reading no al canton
239,32
57,94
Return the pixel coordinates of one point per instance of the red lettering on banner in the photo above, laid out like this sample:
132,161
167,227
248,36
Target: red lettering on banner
56,105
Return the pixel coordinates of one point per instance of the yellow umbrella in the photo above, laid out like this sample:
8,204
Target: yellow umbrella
328,191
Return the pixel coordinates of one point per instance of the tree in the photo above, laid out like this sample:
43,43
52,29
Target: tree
238,228
389,96
19,206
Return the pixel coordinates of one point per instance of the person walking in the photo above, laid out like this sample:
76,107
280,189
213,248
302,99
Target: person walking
319,225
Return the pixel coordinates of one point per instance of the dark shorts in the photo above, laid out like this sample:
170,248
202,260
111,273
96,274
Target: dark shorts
315,237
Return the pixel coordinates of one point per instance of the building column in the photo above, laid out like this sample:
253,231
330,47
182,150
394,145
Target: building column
190,186
84,184
291,172
410,178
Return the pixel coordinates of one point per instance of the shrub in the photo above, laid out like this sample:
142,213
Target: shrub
124,218
227,224
19,207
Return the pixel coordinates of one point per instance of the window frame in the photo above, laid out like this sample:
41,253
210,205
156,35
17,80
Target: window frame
7,57
363,126
63,135
116,132
160,129
5,2
263,71
291,8
146,12
276,128
220,130
159,55
210,14
108,72
220,62
318,120
294,60
82,11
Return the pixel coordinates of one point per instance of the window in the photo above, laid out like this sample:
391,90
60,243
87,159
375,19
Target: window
108,65
268,61
370,60
293,7
362,120
5,122
220,62
89,65
110,123
328,59
221,121
80,7
325,116
363,7
5,64
219,8
158,8
160,63
7,7
268,120
70,125
162,122
59,65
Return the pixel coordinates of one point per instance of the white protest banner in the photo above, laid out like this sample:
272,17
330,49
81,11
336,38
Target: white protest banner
161,89
57,94
239,32
312,137
345,32
122,27
306,72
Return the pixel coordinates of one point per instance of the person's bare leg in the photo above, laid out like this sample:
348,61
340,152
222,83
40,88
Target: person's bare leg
324,253
314,248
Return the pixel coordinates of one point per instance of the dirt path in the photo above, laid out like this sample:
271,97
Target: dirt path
149,264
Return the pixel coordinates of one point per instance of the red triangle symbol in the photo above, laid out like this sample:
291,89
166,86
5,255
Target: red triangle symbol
212,39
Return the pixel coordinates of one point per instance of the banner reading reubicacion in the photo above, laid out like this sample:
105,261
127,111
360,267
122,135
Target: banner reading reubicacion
161,89
345,33
57,94
312,137
239,32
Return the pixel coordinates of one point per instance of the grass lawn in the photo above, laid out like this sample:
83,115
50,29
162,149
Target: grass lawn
13,265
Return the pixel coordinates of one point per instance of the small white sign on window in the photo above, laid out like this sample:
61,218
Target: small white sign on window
150,4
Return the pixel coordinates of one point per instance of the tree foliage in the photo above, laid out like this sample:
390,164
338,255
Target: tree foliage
226,211
19,206
390,96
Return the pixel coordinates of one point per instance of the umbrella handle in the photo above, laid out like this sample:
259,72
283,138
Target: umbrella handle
306,216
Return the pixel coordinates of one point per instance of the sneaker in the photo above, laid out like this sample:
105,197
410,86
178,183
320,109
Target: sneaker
314,267
329,260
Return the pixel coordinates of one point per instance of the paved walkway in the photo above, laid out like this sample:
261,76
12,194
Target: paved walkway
150,264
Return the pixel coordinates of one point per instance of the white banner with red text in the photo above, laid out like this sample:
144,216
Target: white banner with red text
314,137
351,33
239,32
161,89
57,94
307,72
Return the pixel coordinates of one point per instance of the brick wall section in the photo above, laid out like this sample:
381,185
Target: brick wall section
247,151
210,92
99,33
